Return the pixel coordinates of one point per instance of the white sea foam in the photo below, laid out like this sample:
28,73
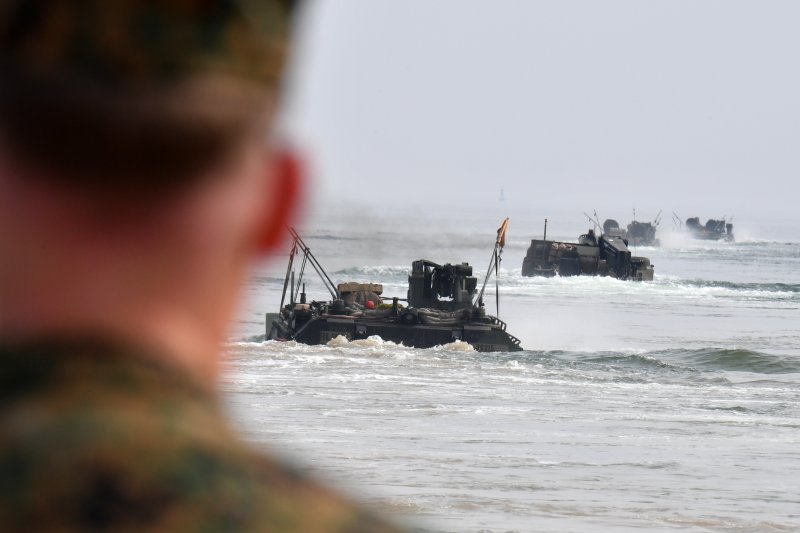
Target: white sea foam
338,342
459,346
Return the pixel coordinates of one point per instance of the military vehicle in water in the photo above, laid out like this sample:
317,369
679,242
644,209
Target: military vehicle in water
607,255
442,306
714,230
637,233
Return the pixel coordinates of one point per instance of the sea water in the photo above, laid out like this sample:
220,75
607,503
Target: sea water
671,405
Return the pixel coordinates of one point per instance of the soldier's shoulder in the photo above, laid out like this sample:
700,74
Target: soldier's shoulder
82,472
103,441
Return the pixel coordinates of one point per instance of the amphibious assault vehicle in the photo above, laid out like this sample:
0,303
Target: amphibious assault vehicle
637,233
607,255
714,230
442,306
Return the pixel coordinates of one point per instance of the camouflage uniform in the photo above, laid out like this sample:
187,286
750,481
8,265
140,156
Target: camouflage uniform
94,436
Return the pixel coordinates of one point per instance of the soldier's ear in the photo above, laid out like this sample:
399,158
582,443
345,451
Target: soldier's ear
287,186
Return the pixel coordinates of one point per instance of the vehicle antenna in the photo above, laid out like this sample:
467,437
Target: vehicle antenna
300,277
677,221
288,271
497,283
594,220
495,263
597,221
314,263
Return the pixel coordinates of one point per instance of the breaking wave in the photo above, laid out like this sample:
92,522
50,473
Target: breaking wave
331,237
793,288
710,359
513,283
702,359
739,360
375,274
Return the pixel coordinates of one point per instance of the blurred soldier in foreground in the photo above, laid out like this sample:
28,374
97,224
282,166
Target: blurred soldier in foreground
136,183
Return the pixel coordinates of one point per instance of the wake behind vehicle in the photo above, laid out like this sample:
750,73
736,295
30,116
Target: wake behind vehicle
442,306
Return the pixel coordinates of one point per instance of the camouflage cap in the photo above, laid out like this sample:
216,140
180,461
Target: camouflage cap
144,41
116,95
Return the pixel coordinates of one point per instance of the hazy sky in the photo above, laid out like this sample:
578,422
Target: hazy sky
691,106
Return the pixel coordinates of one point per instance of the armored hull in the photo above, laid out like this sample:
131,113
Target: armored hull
606,256
713,230
485,334
441,307
636,234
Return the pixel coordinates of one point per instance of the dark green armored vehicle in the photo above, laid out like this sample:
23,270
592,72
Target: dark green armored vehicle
607,255
442,306
713,230
637,233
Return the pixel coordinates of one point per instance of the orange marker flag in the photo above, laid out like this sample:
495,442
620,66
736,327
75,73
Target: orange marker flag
501,233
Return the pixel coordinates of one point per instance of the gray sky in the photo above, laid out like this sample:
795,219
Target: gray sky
680,105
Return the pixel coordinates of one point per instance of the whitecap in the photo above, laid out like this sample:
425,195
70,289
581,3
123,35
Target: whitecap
339,341
459,346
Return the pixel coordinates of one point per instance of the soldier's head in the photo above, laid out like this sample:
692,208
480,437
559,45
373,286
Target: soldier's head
138,129
136,96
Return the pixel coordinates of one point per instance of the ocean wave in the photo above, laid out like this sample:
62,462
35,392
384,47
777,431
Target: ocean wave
756,242
701,359
642,361
703,365
660,361
376,274
788,288
513,284
738,360
330,237
267,280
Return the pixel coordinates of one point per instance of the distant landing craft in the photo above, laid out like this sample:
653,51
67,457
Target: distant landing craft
607,255
713,230
637,233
